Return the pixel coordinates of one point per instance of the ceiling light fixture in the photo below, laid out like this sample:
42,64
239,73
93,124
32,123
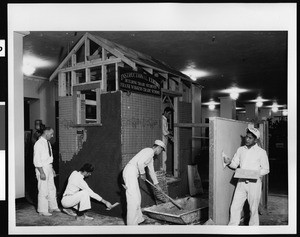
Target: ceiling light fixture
275,107
284,112
194,73
259,101
234,92
28,70
211,104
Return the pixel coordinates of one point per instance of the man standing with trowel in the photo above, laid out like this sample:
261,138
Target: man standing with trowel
78,193
134,169
254,158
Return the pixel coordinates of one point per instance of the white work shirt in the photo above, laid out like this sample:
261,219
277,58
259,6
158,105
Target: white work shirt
165,128
41,157
253,158
142,159
76,183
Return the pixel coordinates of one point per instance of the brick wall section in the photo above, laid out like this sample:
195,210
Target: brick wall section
141,126
141,123
67,133
102,148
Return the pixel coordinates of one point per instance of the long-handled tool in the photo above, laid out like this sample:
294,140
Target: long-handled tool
171,199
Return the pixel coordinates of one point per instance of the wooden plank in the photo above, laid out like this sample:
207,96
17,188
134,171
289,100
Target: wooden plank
191,125
117,76
104,72
93,63
73,80
62,84
176,140
87,75
98,102
171,93
87,86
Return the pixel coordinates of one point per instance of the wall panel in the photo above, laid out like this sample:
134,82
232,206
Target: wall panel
224,135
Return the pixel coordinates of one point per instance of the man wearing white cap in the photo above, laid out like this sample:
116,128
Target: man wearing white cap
134,169
249,157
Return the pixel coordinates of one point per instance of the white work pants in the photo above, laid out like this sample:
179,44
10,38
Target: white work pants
245,190
133,195
46,190
80,201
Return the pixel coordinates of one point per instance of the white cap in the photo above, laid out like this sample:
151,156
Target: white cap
254,131
160,143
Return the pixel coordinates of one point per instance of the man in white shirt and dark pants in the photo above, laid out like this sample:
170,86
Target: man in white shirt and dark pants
166,134
134,169
249,157
78,193
42,160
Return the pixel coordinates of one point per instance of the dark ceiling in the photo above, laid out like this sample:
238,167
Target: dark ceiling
253,60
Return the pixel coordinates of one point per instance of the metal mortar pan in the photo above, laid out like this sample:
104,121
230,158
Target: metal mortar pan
195,211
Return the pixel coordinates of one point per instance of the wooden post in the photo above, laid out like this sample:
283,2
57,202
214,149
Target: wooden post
98,104
103,71
117,77
176,140
62,84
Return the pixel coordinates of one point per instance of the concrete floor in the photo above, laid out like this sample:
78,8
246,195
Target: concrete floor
26,215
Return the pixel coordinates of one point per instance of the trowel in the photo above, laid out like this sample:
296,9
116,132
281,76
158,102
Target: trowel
112,206
223,155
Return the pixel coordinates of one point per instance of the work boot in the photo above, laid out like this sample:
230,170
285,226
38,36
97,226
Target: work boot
45,214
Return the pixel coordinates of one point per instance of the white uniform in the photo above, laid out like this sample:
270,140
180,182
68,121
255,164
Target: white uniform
131,172
78,193
46,188
254,158
165,133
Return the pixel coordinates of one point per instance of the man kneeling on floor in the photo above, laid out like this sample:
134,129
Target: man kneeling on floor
78,193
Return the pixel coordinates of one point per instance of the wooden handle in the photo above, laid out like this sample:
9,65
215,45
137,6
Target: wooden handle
171,199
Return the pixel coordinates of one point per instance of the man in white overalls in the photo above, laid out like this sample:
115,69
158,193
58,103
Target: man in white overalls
134,169
251,157
42,160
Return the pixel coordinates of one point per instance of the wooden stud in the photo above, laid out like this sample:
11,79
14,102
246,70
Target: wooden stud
176,170
62,84
86,49
98,104
117,77
104,72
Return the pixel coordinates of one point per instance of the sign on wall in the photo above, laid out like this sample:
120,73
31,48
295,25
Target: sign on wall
139,82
